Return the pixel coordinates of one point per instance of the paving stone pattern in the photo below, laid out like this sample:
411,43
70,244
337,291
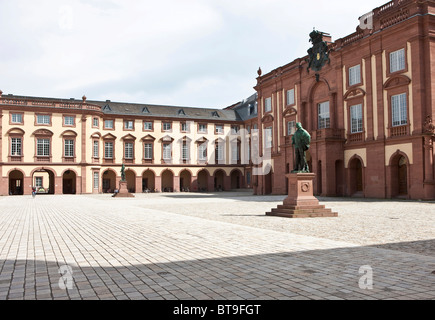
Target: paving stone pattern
212,246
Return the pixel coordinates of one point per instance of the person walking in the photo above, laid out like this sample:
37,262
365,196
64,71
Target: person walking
33,192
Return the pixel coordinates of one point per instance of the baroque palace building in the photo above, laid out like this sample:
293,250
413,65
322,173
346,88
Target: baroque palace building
369,109
78,146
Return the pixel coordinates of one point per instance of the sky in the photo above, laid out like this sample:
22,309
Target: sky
197,53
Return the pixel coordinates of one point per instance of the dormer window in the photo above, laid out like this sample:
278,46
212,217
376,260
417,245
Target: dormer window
145,110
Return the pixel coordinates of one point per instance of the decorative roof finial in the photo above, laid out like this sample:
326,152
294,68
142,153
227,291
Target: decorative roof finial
84,98
1,92
259,72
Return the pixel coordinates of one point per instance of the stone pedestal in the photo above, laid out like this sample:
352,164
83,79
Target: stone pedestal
301,202
123,191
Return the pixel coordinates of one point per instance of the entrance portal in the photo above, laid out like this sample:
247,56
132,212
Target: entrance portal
16,180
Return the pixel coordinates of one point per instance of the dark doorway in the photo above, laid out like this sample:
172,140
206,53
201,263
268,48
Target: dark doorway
69,182
16,180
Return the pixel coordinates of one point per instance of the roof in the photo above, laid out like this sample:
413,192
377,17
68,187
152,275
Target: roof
149,110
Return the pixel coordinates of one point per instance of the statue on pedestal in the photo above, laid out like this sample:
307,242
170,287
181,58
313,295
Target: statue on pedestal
123,173
301,141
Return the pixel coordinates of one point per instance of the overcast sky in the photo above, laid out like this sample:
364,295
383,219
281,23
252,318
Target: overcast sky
198,53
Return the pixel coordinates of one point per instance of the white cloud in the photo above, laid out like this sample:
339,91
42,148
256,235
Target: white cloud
190,52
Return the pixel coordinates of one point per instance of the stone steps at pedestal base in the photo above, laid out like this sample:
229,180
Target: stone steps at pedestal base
303,213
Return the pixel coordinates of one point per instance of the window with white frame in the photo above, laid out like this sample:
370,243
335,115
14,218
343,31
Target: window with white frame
16,146
356,119
128,150
399,110
128,125
38,182
291,127
355,75
167,151
202,127
397,60
68,121
95,122
202,151
43,147
219,150
148,151
108,150
17,118
291,97
268,137
167,126
69,148
184,127
96,180
42,119
323,115
108,124
235,151
219,128
185,151
267,104
235,129
148,126
96,149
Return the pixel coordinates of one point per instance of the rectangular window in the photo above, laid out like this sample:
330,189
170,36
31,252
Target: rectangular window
291,128
185,151
268,105
219,152
399,110
148,151
148,126
69,148
235,152
68,121
167,151
38,182
268,137
202,128
17,118
202,152
219,128
235,129
16,144
323,112
291,97
129,125
108,150
128,150
354,75
108,124
356,120
42,119
95,122
96,180
96,149
184,127
397,60
166,126
43,147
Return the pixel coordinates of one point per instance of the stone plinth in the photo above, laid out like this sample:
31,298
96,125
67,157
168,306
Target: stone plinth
301,202
123,191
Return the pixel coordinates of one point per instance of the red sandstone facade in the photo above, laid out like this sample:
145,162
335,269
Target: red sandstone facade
369,114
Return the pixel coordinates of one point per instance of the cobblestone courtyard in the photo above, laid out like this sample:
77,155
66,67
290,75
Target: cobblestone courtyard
213,246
